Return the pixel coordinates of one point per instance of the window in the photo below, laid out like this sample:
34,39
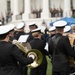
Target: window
8,6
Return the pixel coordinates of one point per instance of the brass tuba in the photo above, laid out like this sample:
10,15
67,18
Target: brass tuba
26,48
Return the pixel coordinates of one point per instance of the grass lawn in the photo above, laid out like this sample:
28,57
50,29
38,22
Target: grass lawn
49,67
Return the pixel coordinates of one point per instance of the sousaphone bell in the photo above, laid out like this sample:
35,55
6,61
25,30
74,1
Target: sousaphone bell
26,48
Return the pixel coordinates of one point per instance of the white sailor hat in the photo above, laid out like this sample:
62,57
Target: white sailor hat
67,29
20,25
23,38
36,30
52,28
11,26
60,24
73,25
5,29
32,24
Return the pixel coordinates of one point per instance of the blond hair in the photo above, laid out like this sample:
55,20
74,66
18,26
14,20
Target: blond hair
73,27
35,34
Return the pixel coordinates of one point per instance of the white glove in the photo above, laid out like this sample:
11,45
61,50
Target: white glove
14,41
32,56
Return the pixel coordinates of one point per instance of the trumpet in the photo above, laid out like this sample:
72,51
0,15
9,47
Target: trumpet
28,51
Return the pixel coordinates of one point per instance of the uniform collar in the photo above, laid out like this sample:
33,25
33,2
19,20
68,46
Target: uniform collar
58,34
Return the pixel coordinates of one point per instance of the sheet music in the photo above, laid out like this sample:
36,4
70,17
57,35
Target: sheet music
23,38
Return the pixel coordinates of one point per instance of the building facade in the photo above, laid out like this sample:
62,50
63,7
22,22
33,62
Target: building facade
37,9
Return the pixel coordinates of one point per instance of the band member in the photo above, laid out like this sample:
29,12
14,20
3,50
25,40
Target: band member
52,31
61,50
39,44
32,26
20,30
67,30
71,36
45,34
73,28
11,33
10,54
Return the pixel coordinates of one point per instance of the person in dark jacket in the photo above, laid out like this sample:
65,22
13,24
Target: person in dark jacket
71,36
20,30
39,44
10,54
52,31
62,48
45,35
32,26
11,33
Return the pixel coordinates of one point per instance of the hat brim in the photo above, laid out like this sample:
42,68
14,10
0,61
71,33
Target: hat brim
60,27
36,31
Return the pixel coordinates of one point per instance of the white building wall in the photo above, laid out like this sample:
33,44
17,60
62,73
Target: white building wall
57,4
20,5
3,7
73,4
33,4
38,4
54,4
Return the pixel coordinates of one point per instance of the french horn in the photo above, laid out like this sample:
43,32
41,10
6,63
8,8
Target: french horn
26,48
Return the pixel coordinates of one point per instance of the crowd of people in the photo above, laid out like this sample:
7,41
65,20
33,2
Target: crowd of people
5,19
60,40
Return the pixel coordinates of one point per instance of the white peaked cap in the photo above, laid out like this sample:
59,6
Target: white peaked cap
43,29
67,28
36,30
72,25
52,28
60,23
5,29
32,23
20,25
23,38
11,26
